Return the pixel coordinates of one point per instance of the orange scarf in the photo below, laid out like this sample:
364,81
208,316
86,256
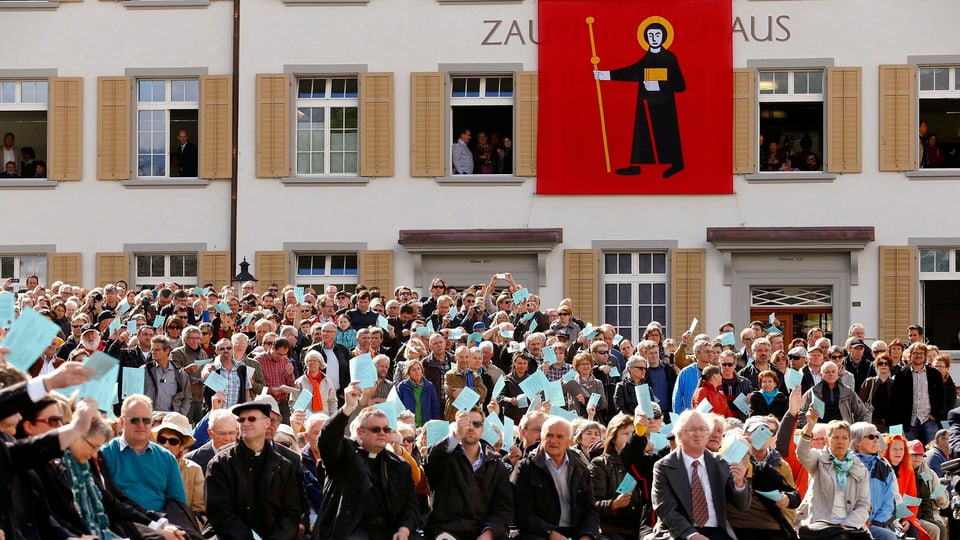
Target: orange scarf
317,404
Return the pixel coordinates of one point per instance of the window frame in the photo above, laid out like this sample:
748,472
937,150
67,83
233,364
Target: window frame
953,268
17,262
311,280
952,92
327,103
167,105
21,76
478,101
634,279
142,282
793,97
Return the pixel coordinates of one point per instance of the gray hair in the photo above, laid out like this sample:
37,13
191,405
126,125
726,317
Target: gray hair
217,415
99,428
698,346
315,355
553,421
191,329
634,361
858,431
760,341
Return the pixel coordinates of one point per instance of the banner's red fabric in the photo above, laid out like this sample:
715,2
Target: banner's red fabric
691,73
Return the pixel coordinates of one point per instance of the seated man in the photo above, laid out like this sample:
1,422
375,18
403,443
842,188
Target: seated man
222,429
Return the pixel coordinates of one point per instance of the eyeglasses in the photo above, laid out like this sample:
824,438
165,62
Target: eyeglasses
76,326
641,368
224,349
602,352
872,436
206,333
728,364
172,441
476,423
224,433
272,289
52,421
174,327
836,356
242,419
376,430
697,430
882,363
145,420
747,339
879,351
265,343
409,440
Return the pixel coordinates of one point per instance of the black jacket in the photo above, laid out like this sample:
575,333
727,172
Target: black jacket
348,483
465,503
537,503
230,499
903,397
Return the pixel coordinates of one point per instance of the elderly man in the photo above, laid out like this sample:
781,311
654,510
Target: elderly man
369,491
840,401
253,489
237,375
222,429
458,378
692,487
167,386
437,363
183,357
241,344
689,376
552,493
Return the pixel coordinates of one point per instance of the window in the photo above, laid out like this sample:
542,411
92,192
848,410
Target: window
164,108
940,295
327,126
635,291
178,267
23,113
22,266
939,106
320,270
483,104
791,115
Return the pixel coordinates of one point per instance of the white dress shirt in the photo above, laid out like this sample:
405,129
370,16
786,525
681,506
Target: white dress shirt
705,482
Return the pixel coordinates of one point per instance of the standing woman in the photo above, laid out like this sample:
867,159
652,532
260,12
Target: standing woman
620,514
509,397
877,392
865,440
583,385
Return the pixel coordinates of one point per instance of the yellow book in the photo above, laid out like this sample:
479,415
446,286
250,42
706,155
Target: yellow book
655,74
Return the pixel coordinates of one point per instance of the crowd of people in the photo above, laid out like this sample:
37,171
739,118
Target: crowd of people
479,413
488,155
781,155
20,162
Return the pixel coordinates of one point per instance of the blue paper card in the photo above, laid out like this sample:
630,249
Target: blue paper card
114,326
910,500
550,356
363,369
490,435
159,320
7,312
430,327
103,391
924,476
570,416
391,412
760,436
475,337
423,331
223,307
382,322
507,434
202,361
298,294
772,318
593,401
617,339
553,393
901,511
455,334
741,403
28,337
521,295
772,329
123,306
522,401
255,535
498,386
506,333
659,441
216,382
303,400
704,407
589,331
569,376
643,399
436,430
527,316
101,363
727,339
132,327
533,327
467,399
614,371
945,424
201,291
627,484
534,383
793,378
896,430
938,492
774,496
246,320
132,381
734,451
818,405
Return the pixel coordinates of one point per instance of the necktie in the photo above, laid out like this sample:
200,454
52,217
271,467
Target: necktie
700,512
470,378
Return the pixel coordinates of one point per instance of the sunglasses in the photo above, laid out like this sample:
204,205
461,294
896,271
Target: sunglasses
437,287
409,440
879,351
265,343
883,363
172,441
476,423
603,352
52,421
872,436
835,356
658,417
242,419
376,430
641,368
727,364
224,349
137,420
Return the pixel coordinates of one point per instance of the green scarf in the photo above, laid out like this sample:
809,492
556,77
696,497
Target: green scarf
418,398
842,467
86,497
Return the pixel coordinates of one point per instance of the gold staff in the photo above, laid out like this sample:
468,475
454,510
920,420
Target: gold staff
595,60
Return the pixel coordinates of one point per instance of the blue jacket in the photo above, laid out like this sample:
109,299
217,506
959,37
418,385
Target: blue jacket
430,402
883,488
683,390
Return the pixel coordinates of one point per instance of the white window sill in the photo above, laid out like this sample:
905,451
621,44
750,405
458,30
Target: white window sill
29,4
934,174
27,183
790,177
303,181
481,179
165,3
326,2
165,183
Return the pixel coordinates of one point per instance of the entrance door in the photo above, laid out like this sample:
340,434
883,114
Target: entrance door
798,308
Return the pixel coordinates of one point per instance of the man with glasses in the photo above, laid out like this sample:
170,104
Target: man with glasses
222,430
922,387
469,483
238,376
744,356
184,357
167,387
689,377
369,491
761,349
252,487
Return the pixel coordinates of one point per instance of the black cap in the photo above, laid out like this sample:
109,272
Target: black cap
105,316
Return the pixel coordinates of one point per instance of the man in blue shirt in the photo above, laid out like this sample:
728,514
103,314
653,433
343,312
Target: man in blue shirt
689,376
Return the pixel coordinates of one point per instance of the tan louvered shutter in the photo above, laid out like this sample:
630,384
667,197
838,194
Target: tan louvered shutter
898,125
272,267
898,298
216,126
66,129
273,125
744,111
687,288
65,267
427,143
113,128
376,269
112,267
376,125
214,267
844,135
527,101
581,269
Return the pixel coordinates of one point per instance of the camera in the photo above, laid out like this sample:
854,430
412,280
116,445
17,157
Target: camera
97,297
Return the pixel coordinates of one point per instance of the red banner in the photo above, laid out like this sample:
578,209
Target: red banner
636,97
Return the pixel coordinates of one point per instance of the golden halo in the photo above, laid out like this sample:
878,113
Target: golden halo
642,29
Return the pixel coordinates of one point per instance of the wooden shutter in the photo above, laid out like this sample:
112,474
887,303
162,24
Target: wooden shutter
898,124
65,267
376,269
112,267
376,125
427,143
844,132
66,129
744,111
273,267
898,286
113,128
687,288
527,103
581,268
214,267
216,126
273,125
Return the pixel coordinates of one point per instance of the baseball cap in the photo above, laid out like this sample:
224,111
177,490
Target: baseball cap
797,352
857,342
916,447
477,326
105,316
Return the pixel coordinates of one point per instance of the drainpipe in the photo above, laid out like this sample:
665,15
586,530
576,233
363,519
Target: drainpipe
235,135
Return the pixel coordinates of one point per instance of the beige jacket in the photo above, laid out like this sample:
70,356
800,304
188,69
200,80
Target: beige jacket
823,484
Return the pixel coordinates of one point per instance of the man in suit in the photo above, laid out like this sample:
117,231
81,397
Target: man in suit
691,487
188,155
337,357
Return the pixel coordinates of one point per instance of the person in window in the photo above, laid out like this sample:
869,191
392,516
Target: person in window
462,156
773,159
8,153
505,157
187,154
484,158
934,157
28,167
10,170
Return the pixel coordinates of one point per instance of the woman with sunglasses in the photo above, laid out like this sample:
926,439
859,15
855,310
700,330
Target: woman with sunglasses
865,442
174,435
877,392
